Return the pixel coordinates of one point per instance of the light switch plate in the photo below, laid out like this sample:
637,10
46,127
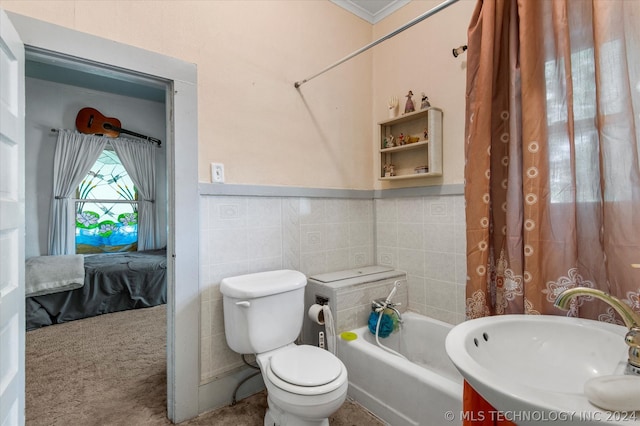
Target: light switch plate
217,172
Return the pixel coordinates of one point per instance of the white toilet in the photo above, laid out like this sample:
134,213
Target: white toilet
263,315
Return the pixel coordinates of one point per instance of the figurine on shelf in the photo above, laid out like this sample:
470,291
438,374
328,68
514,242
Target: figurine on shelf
425,102
388,141
426,134
389,170
408,107
393,106
401,139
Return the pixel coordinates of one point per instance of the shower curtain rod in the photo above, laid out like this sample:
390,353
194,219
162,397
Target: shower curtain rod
409,24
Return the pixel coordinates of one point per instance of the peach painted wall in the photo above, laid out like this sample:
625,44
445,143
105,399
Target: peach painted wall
420,60
249,54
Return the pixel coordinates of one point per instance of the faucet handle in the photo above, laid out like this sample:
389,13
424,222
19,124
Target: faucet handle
632,339
377,305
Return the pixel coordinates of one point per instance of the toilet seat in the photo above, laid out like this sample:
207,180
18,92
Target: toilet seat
306,366
297,368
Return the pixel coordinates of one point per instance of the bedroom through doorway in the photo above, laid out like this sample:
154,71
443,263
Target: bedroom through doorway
57,87
181,144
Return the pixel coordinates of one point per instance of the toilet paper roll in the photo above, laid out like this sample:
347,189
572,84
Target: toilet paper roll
316,314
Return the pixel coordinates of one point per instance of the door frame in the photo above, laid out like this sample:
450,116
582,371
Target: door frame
12,240
183,306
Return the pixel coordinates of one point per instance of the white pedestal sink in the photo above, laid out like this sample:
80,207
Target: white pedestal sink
534,367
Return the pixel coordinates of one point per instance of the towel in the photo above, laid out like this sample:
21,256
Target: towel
52,274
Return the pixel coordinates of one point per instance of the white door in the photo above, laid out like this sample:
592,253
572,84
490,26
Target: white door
11,225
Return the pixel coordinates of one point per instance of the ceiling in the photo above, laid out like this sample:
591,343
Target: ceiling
50,66
372,11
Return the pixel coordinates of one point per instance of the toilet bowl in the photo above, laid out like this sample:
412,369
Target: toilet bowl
263,315
305,385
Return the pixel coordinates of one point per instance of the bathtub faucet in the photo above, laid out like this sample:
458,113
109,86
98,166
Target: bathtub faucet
380,305
631,320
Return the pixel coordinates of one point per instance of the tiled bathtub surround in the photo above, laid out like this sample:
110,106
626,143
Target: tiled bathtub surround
240,235
350,299
422,235
425,236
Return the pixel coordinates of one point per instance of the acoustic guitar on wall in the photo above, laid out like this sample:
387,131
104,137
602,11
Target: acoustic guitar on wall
92,122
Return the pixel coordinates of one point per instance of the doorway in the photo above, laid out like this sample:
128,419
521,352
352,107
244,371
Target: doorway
56,88
182,184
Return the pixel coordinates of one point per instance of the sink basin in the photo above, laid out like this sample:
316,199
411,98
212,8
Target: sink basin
534,367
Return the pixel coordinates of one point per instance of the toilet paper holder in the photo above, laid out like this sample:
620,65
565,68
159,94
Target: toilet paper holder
316,314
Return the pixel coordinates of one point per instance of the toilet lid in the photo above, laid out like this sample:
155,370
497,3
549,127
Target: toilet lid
306,366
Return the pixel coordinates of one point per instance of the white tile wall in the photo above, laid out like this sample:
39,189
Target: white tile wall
424,236
250,234
350,304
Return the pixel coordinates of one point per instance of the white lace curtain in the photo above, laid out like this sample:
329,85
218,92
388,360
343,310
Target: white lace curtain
139,160
74,156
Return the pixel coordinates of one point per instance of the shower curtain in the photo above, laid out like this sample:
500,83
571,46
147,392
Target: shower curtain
552,175
552,171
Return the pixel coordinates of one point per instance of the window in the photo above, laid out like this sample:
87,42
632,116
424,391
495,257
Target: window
563,187
594,137
106,208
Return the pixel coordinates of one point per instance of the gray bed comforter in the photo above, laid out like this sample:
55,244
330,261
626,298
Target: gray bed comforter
112,282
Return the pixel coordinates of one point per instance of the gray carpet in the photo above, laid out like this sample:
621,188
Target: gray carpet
111,370
106,370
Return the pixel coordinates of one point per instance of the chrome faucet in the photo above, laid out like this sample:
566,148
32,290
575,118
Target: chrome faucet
379,305
629,316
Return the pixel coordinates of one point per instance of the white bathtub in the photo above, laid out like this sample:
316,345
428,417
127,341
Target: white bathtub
423,391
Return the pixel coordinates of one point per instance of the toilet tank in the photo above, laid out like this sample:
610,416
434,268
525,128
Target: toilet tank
263,311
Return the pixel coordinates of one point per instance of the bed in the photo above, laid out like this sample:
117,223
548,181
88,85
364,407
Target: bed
112,282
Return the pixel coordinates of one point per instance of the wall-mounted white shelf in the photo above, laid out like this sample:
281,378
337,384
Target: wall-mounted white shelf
407,157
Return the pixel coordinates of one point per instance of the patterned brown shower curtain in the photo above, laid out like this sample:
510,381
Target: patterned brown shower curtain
552,170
